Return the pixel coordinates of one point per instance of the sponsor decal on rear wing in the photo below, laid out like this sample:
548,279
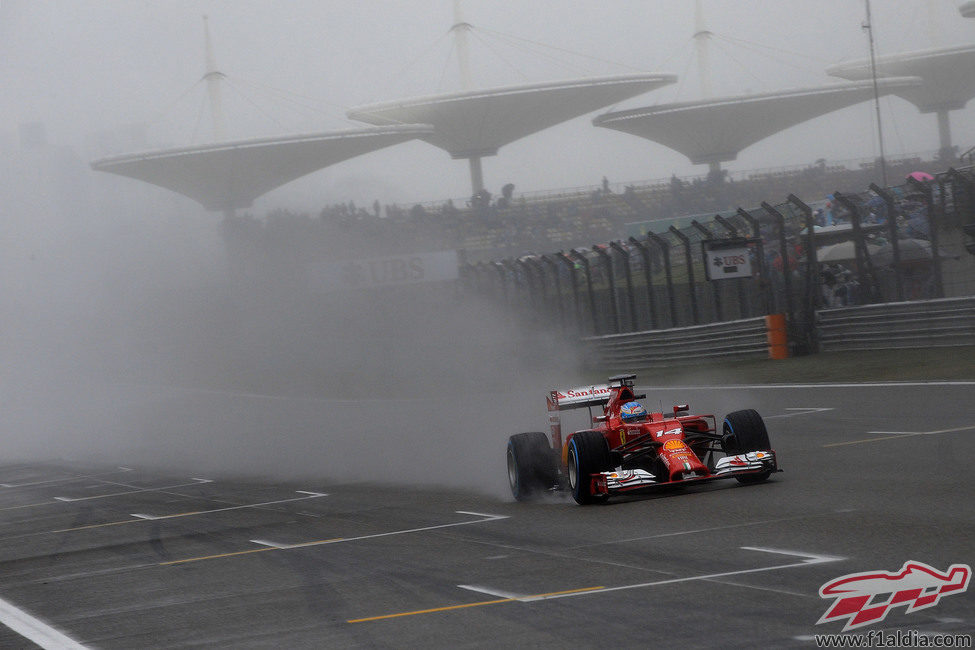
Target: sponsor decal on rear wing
579,397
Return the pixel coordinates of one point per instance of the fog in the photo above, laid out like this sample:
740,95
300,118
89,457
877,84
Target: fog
129,337
93,71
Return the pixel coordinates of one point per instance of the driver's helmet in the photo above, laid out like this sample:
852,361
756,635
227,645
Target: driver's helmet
633,412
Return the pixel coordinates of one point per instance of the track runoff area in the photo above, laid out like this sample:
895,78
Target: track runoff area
876,477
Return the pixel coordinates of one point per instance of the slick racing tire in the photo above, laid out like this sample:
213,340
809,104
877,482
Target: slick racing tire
531,465
745,431
588,453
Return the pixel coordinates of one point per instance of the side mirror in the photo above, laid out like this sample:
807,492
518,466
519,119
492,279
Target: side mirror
681,408
599,418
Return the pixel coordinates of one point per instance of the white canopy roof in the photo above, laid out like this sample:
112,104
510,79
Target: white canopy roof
477,123
948,75
967,9
716,130
229,175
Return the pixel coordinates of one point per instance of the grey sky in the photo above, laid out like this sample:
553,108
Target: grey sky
82,66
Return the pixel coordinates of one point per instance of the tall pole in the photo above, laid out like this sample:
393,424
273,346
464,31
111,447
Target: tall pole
701,36
460,29
868,26
213,78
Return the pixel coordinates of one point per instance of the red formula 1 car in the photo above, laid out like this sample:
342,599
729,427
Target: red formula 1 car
628,450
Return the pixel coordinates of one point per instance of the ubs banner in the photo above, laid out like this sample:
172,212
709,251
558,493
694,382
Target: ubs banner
725,260
377,272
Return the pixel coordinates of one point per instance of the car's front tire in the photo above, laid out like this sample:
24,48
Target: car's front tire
531,465
588,454
744,431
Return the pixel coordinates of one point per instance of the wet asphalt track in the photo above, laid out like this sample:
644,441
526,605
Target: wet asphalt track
135,558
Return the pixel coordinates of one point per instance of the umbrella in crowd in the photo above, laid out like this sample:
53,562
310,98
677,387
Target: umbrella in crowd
844,252
911,250
920,176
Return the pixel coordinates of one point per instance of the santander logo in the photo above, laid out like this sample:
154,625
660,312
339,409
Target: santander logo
866,598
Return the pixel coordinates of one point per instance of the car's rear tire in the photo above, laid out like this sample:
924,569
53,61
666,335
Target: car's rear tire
531,465
745,431
588,454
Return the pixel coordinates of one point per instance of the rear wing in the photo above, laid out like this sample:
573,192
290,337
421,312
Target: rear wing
588,396
582,397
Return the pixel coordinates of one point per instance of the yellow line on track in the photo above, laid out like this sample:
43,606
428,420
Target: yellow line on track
253,550
482,603
214,557
435,609
317,542
111,523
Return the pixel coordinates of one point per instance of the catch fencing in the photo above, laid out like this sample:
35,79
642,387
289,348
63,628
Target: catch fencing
896,244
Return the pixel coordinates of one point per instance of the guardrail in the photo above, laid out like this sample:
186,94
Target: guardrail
747,338
946,322
919,324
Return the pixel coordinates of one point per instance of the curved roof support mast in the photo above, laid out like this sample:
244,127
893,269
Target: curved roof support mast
213,77
868,27
701,37
460,28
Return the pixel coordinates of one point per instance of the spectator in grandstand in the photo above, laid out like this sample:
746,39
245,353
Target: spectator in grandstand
847,289
827,280
917,220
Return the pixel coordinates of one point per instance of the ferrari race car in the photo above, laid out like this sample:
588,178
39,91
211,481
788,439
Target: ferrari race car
628,450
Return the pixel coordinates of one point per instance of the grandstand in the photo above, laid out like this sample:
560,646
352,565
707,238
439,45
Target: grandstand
562,218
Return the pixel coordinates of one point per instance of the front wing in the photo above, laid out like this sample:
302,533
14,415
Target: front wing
638,480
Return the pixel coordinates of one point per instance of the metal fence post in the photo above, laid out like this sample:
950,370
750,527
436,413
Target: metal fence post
557,281
964,200
539,271
894,239
784,254
628,274
864,263
503,277
715,288
581,256
614,309
565,259
517,283
812,276
933,224
664,246
648,276
762,262
690,273
526,273
743,311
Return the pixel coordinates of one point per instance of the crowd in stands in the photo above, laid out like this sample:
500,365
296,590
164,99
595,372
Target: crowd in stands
488,227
